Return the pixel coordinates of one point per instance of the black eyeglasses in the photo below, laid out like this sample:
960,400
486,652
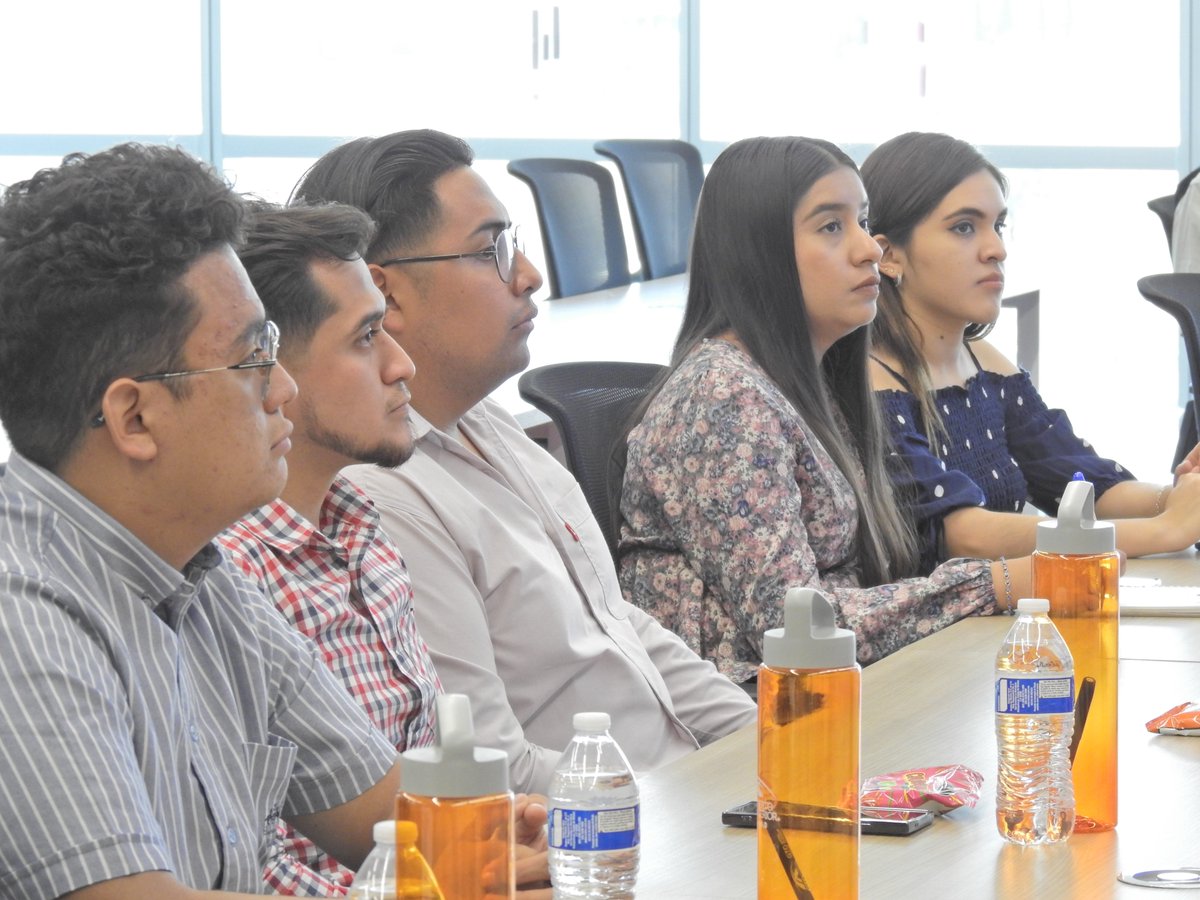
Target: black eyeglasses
266,356
267,345
504,251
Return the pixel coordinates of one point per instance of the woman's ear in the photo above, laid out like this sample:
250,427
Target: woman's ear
891,263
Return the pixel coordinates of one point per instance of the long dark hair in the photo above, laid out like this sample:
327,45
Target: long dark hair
743,277
906,178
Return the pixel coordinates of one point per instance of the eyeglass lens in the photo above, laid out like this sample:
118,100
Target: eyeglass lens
508,242
268,345
269,340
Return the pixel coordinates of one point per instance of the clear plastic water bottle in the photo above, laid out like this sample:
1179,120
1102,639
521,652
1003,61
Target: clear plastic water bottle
395,869
595,817
376,877
1035,701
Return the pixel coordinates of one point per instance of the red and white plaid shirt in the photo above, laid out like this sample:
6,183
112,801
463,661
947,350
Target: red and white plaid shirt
347,588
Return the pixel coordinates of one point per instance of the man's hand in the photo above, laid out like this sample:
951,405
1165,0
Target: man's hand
533,868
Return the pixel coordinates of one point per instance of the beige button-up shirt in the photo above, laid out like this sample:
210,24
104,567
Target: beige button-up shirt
517,597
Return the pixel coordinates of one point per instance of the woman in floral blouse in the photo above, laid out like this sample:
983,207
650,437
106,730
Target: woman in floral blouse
758,465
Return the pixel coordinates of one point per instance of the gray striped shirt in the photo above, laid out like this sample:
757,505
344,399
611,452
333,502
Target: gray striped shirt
151,719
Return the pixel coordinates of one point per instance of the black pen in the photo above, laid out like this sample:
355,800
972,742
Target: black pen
1083,702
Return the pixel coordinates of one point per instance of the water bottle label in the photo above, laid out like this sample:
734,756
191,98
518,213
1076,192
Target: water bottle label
1035,696
595,829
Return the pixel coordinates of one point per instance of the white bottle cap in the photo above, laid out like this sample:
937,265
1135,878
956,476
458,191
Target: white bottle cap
591,722
1076,532
454,766
385,832
809,638
1033,605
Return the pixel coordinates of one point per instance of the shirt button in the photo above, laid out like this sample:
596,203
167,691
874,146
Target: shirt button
194,733
232,835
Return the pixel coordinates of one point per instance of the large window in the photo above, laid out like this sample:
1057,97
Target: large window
498,70
132,67
1083,103
1067,73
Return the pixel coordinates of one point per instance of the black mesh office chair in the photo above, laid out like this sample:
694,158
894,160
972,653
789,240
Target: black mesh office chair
577,208
1179,295
590,403
662,181
1164,208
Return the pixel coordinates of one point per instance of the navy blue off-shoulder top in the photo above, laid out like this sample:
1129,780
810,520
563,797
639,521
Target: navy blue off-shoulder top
1003,446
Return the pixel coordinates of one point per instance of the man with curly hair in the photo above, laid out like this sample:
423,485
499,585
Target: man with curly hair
157,715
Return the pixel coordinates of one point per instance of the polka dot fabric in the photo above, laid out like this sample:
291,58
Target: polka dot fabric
1002,446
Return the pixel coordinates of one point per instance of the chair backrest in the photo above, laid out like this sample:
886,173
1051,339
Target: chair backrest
590,403
1179,294
577,209
1028,330
662,181
1164,208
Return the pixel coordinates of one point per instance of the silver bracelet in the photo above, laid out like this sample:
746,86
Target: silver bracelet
1008,607
1158,499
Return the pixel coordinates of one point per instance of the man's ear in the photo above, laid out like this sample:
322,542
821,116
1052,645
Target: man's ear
130,411
397,292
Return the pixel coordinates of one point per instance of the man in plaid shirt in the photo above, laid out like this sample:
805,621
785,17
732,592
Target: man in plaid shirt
340,581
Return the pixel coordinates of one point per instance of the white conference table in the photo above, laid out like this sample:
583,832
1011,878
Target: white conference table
931,704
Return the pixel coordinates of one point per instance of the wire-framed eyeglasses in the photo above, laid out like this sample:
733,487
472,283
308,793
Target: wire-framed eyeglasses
265,357
503,251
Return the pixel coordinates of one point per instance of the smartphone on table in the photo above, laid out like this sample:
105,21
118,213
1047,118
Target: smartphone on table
872,820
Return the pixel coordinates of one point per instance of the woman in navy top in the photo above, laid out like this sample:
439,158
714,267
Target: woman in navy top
973,440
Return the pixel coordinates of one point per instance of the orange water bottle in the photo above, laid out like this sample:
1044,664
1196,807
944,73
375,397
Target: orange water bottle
809,711
1076,568
458,796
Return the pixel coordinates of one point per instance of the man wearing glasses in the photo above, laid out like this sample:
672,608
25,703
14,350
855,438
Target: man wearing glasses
157,716
517,595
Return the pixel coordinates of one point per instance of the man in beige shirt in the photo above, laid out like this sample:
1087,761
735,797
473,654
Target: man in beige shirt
518,597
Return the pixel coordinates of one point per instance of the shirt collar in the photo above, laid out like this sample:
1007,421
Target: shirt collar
420,425
122,553
470,422
347,515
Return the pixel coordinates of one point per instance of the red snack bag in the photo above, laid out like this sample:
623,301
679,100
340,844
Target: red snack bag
1182,719
937,788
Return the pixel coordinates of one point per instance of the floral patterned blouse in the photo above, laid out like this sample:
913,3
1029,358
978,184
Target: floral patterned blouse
729,500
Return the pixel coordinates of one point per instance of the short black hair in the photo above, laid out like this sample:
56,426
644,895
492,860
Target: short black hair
392,179
91,257
281,243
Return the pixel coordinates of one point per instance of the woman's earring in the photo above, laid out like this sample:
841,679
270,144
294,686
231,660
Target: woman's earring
896,278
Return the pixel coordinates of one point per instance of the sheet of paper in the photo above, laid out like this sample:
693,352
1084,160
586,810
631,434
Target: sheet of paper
1145,597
